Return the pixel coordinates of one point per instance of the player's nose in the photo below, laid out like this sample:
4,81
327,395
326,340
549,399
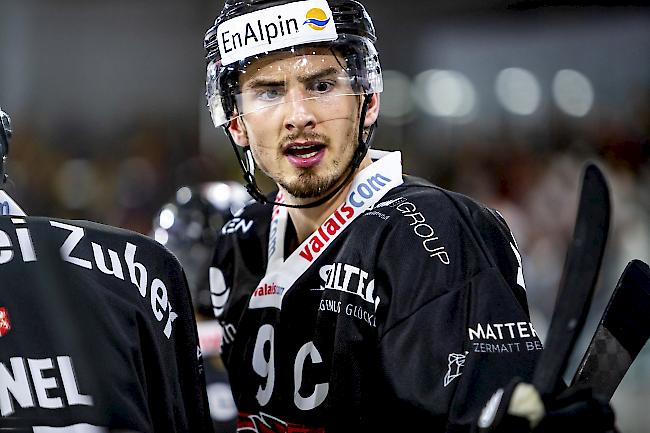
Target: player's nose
299,112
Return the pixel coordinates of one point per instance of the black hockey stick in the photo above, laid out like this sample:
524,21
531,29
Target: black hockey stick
5,135
621,333
579,276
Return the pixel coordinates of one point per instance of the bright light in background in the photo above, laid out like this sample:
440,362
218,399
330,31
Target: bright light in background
573,92
183,195
219,195
445,94
518,91
166,218
161,236
396,103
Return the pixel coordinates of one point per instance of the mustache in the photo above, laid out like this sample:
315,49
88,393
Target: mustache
304,136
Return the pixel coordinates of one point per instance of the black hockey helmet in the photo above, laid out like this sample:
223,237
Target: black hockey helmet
249,30
352,35
188,226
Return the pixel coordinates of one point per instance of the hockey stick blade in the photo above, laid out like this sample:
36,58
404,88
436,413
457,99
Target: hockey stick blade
579,277
621,334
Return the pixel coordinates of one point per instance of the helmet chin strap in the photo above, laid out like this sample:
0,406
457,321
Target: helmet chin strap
247,164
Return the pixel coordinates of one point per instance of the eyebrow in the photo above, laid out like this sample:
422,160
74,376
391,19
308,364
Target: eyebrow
264,82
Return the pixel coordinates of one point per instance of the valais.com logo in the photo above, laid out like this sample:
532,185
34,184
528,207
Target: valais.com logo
316,19
268,289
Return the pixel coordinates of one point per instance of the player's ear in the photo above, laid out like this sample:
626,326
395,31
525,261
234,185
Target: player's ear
372,112
237,129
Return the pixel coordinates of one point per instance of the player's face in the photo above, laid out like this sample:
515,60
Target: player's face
301,119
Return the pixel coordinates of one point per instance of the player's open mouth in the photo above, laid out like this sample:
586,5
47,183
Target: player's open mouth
306,154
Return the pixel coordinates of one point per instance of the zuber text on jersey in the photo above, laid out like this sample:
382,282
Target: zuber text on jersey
122,266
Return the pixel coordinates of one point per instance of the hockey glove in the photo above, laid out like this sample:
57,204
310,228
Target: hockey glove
519,408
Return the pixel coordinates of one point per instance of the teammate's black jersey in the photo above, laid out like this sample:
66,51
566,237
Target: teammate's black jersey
405,309
96,332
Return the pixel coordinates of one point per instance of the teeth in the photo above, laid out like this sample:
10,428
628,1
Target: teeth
304,151
307,155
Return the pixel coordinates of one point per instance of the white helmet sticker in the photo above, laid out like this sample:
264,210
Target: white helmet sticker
275,28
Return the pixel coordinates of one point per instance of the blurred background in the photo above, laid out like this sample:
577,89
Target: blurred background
501,100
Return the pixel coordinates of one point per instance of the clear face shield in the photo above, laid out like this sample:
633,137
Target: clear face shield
326,82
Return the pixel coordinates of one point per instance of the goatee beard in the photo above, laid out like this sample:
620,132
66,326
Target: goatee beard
310,185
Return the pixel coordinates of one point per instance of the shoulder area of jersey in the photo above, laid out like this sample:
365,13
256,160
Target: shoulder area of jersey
84,228
422,202
253,215
415,194
431,197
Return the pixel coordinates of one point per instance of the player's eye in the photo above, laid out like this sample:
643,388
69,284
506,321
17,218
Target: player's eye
269,94
322,86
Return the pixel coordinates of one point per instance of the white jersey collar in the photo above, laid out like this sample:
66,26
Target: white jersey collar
367,188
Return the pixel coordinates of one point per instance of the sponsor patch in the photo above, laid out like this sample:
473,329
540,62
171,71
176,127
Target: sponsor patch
362,194
265,423
425,232
236,224
390,203
266,295
455,364
275,28
5,323
377,214
502,331
351,279
506,337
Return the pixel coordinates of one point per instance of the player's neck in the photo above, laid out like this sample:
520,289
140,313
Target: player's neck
307,220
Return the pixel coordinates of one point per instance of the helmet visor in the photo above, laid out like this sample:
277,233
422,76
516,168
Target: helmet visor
316,77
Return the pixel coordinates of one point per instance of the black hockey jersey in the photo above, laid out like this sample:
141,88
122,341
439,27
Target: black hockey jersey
405,310
96,332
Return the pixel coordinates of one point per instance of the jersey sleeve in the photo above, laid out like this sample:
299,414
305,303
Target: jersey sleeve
238,263
220,275
456,327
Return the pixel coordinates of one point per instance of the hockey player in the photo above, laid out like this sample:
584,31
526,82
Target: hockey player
96,329
188,226
360,299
